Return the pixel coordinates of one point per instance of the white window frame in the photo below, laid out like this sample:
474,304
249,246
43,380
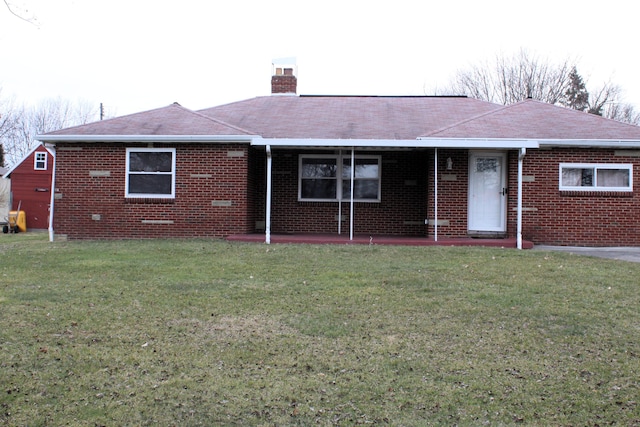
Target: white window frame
172,173
43,160
340,158
596,167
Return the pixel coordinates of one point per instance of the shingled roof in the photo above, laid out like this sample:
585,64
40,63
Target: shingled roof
170,120
364,118
530,119
348,117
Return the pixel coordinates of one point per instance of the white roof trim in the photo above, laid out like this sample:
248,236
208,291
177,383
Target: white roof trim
146,138
475,143
527,143
607,143
399,143
25,157
422,142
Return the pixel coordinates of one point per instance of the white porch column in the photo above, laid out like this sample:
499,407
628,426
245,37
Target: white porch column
521,155
351,209
267,222
52,150
435,195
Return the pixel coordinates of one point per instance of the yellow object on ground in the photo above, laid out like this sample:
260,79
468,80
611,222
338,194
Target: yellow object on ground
18,218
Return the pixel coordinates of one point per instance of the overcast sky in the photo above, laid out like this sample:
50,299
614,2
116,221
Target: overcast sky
135,55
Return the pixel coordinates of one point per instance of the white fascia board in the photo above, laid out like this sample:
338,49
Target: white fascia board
318,142
399,143
590,143
479,143
147,138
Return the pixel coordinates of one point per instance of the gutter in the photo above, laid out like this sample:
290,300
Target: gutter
521,154
477,143
52,150
267,228
147,138
589,143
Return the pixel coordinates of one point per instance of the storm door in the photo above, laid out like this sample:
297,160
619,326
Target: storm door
487,192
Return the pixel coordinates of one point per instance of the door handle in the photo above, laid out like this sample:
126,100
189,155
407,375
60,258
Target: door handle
505,191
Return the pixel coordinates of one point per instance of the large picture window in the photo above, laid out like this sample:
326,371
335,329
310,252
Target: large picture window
596,177
150,172
328,178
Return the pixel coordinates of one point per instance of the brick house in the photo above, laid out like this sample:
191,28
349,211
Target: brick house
30,184
431,167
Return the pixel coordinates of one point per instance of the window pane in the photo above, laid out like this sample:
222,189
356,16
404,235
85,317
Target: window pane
577,177
486,164
365,168
319,168
613,177
363,189
150,184
154,161
318,189
41,161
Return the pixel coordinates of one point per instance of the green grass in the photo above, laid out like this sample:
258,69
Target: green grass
201,332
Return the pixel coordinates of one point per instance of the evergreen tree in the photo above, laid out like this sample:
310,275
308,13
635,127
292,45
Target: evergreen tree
576,96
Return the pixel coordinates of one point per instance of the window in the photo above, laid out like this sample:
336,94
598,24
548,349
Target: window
596,177
150,172
40,162
318,178
328,178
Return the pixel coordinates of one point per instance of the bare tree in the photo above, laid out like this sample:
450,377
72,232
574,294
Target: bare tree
524,75
622,113
7,123
20,13
51,114
512,79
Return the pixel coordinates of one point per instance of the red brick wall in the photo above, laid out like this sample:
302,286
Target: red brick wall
90,205
284,84
557,217
452,193
549,217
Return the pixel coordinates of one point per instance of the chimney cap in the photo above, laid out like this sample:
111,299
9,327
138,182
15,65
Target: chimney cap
284,66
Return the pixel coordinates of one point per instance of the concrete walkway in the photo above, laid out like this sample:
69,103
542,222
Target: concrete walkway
631,254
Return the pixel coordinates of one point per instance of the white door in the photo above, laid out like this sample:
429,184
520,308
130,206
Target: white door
487,192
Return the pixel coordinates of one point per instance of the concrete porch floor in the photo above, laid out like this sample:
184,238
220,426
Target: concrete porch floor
336,239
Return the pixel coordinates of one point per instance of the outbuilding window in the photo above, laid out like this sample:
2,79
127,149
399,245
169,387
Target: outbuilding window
328,178
150,172
40,161
596,177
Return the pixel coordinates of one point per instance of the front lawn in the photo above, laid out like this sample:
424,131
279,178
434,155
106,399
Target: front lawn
202,332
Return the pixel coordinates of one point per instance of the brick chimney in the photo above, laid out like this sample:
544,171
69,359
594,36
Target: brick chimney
284,80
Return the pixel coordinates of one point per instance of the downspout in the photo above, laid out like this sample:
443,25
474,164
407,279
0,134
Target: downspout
435,195
339,204
353,169
267,222
52,150
521,155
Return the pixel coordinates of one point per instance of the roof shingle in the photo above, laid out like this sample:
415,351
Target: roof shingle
170,120
530,119
348,117
366,117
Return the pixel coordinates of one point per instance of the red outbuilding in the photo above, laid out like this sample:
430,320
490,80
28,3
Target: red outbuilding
31,186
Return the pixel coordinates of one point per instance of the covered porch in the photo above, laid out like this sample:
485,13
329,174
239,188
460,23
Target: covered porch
352,150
